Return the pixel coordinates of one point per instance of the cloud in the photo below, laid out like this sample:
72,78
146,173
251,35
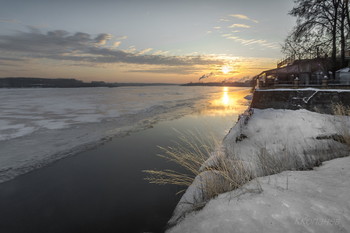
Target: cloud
168,70
11,59
246,42
160,52
117,44
244,17
81,47
102,39
144,51
131,49
237,25
122,38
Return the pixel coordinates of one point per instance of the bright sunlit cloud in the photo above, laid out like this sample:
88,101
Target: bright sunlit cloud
237,25
244,17
117,44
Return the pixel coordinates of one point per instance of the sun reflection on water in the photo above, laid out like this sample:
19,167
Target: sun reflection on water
229,100
226,99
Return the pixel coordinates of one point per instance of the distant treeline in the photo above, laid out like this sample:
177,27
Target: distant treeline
22,82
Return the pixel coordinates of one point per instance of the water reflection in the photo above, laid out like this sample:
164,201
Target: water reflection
228,101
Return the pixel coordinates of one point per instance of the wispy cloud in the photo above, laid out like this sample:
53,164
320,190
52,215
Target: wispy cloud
160,52
246,42
144,51
131,49
168,70
224,20
237,25
82,47
11,59
244,17
122,38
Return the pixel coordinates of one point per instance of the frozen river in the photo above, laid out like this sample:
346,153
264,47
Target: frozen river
39,126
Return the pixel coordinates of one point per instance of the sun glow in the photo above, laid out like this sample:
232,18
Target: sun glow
226,69
225,102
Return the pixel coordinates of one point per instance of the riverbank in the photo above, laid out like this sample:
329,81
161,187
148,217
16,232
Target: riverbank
265,142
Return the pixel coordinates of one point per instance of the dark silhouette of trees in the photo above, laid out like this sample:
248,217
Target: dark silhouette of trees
322,28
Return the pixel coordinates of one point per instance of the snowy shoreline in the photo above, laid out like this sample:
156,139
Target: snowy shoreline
300,139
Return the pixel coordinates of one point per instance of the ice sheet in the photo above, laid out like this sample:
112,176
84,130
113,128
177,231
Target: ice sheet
40,125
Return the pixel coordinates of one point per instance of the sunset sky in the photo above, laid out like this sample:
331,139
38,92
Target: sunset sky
142,40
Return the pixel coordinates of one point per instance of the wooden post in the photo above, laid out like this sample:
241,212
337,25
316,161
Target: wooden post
325,82
296,82
261,83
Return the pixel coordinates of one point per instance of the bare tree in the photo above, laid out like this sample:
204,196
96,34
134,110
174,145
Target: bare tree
321,24
344,29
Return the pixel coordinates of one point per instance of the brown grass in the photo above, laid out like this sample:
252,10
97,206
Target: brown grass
191,152
343,129
221,174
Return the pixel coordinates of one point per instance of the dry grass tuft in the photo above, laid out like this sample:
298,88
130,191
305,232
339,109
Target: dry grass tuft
343,129
191,152
226,175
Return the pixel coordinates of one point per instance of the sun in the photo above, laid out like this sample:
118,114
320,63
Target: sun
225,69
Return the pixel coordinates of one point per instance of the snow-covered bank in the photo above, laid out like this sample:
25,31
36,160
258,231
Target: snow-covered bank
292,201
300,138
269,141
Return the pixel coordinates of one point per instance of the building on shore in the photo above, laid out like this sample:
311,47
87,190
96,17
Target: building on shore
303,72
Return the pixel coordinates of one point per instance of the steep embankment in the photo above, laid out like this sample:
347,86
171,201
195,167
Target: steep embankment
312,99
268,141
